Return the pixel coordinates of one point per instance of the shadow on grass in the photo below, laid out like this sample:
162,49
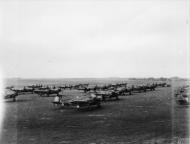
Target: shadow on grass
183,106
84,109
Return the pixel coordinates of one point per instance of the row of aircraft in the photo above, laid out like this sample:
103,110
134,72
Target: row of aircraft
95,93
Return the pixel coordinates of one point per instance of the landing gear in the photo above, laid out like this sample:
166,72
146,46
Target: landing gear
14,99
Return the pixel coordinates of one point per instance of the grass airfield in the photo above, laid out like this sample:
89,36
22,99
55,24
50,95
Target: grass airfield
142,118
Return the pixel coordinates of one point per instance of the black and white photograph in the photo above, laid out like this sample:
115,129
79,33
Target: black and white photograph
94,71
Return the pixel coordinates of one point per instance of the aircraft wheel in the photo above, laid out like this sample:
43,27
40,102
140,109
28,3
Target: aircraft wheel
14,99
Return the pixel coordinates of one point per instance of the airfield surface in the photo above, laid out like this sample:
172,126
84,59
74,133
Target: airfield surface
148,118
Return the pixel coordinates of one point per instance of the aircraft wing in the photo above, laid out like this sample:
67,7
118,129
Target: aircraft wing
82,102
9,94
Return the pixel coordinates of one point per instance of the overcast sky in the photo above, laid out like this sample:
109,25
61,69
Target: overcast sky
107,38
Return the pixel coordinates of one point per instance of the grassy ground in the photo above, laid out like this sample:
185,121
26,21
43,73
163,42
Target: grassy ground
148,118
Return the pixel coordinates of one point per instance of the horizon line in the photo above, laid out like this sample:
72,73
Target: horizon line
97,77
